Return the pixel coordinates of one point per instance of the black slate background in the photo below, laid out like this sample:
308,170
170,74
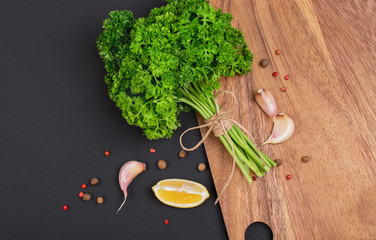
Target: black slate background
56,121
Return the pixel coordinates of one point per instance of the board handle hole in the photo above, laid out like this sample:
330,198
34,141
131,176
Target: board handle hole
258,231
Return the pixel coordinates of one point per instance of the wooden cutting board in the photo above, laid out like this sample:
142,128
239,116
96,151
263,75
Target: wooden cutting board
329,52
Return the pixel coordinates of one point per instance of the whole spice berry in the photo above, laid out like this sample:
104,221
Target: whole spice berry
287,77
275,74
305,159
283,89
182,154
201,167
166,221
83,186
278,52
253,178
100,200
65,207
86,197
288,177
152,150
107,153
161,164
94,181
278,162
264,63
81,194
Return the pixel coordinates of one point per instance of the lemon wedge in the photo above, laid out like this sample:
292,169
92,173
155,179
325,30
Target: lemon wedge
180,193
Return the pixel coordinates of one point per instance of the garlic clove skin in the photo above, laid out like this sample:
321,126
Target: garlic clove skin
266,101
283,129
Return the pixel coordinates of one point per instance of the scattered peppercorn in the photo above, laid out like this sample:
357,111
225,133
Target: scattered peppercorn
100,200
253,178
166,221
305,159
94,181
287,77
264,63
275,74
107,153
83,186
182,154
283,89
65,207
288,177
152,150
278,52
86,197
278,162
81,194
161,164
201,167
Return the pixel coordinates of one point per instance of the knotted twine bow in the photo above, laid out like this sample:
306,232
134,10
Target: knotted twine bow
219,124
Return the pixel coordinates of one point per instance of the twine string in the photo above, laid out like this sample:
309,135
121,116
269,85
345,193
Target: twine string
220,123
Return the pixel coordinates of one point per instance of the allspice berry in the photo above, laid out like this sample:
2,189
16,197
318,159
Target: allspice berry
161,164
100,200
201,167
305,159
278,162
86,197
182,154
94,181
264,63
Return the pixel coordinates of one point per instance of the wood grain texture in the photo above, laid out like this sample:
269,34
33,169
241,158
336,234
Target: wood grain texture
329,51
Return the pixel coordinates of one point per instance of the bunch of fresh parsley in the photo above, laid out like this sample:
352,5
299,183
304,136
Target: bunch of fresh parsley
160,65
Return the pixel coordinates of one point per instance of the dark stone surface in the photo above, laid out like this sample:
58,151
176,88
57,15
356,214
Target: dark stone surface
56,122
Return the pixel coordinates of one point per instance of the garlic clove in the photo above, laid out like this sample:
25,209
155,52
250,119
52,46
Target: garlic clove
126,175
266,101
283,128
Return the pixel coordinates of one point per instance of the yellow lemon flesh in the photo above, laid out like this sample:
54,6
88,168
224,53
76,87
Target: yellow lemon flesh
180,193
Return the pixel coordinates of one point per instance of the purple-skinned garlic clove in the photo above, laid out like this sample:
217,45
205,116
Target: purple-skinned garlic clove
283,129
127,173
267,103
